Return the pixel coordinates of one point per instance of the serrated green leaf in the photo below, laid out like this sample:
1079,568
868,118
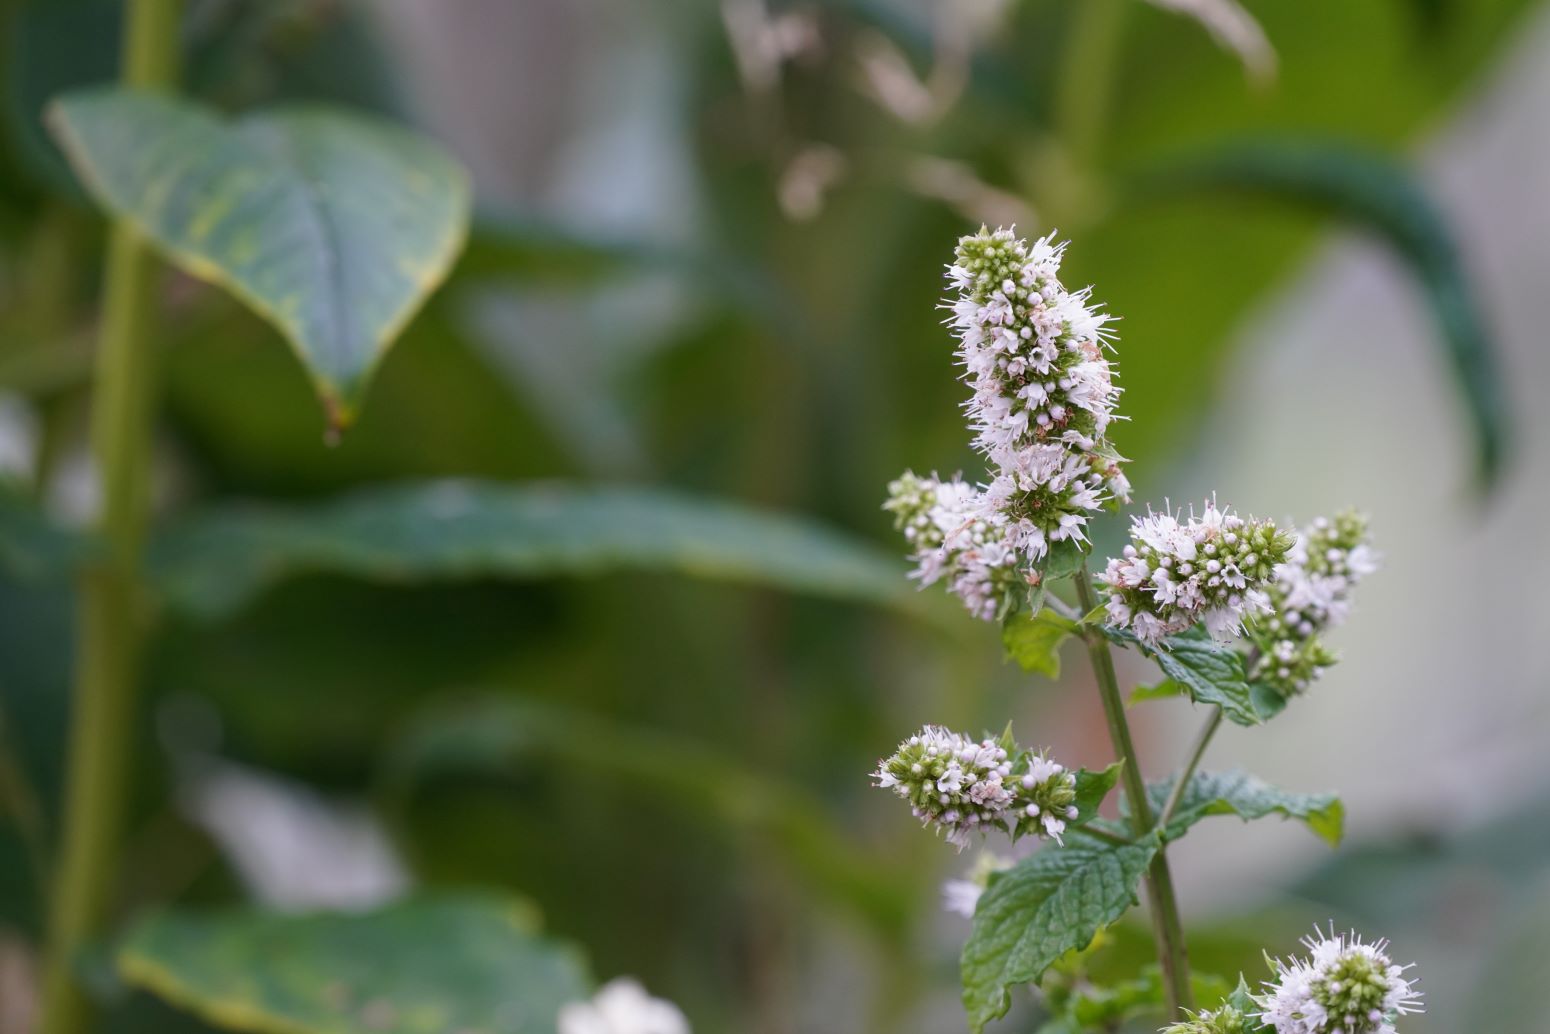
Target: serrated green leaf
210,563
1034,640
426,966
1374,192
334,227
1248,797
1041,908
1209,671
1161,690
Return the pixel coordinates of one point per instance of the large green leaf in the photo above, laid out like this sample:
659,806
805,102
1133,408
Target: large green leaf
1043,907
1248,797
501,735
1375,193
31,545
212,562
334,227
419,967
1209,671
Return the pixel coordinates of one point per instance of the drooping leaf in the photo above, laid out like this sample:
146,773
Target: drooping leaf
1268,702
1375,193
1160,690
210,563
499,734
1041,908
1091,789
1209,671
423,966
1034,640
1248,797
334,227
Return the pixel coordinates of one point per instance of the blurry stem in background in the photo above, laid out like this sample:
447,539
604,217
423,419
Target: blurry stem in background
1163,903
1067,178
1087,78
1202,740
110,617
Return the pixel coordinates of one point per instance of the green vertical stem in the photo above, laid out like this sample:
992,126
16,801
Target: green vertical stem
1172,952
111,617
1086,84
1202,741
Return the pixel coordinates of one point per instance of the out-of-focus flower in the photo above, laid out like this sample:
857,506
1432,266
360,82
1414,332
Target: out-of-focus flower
622,1007
1215,569
1310,596
762,42
962,896
963,787
807,180
1344,986
1234,29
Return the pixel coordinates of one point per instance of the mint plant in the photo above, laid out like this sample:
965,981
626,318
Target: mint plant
1233,610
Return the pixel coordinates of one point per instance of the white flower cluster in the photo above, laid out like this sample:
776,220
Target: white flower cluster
622,1007
1311,595
1043,398
1043,390
965,787
1345,986
1215,569
955,537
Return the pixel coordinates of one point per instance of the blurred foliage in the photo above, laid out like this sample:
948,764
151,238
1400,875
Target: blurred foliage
778,357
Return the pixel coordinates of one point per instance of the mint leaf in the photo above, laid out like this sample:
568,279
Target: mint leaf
1210,672
1043,907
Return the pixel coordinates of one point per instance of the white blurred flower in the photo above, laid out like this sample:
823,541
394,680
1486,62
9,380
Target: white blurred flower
1234,29
1345,986
962,896
622,1007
